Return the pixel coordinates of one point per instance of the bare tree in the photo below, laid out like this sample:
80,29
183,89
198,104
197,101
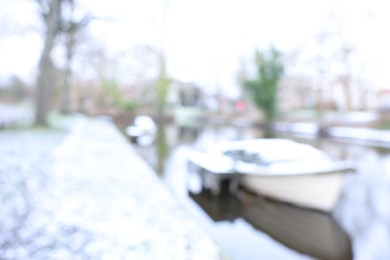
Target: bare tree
322,66
346,77
50,11
56,21
343,55
163,80
70,27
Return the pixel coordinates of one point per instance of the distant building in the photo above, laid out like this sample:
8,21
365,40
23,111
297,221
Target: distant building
186,102
384,100
384,103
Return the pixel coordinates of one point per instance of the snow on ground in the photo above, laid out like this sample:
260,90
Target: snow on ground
85,194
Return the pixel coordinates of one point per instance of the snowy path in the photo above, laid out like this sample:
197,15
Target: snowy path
87,195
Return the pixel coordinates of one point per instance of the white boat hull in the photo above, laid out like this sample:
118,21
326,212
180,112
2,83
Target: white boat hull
318,191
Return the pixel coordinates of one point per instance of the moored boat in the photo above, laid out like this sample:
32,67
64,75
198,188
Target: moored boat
142,131
285,170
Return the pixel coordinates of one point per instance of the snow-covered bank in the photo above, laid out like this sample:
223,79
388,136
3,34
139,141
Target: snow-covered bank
358,135
85,194
14,115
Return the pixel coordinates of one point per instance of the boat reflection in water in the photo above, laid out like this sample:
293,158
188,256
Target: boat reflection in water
219,208
310,232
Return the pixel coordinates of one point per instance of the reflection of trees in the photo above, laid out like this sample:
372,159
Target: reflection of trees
162,148
188,134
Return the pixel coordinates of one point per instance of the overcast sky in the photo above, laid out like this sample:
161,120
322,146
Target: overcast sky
206,39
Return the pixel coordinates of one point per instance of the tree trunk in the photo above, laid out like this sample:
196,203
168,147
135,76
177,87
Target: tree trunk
45,77
43,92
346,82
162,88
65,98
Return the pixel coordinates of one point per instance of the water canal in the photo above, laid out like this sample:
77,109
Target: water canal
248,227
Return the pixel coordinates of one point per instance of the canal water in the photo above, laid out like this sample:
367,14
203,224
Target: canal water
251,227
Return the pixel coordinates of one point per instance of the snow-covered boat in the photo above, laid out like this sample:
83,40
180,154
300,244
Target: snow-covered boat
142,131
280,168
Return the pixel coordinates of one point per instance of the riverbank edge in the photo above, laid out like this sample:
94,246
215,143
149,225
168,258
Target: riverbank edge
160,211
100,187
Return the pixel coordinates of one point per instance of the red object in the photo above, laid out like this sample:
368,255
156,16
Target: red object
240,105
